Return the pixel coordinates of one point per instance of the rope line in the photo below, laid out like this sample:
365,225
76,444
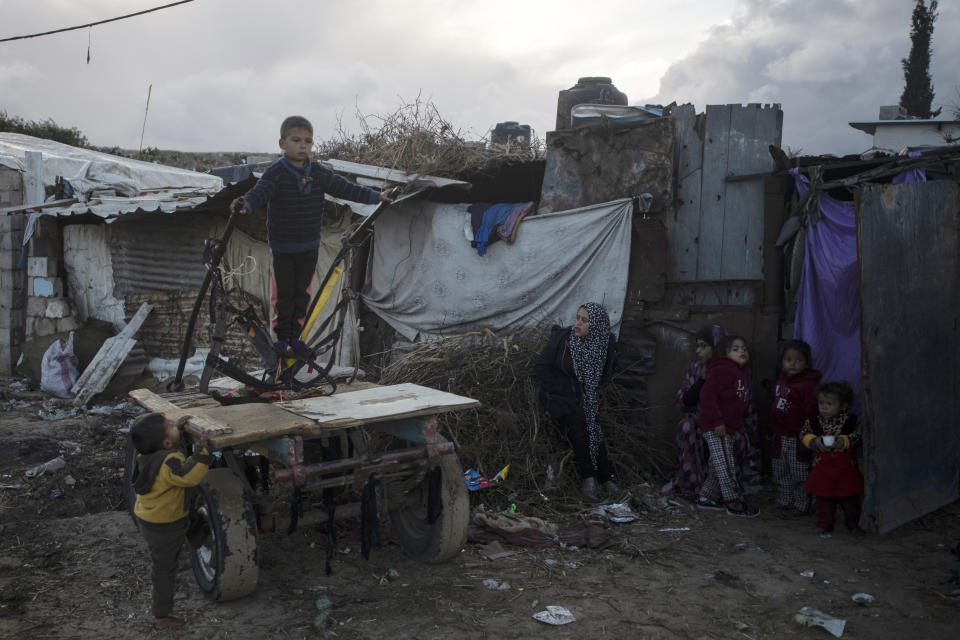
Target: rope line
93,24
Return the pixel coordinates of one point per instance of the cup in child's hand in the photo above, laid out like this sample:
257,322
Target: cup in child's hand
828,440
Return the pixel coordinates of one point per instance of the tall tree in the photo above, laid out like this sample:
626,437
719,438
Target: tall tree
917,97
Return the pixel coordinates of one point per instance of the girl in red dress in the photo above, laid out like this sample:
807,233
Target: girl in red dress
833,435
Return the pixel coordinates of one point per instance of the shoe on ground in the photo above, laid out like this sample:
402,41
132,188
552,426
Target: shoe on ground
707,503
168,622
589,490
743,510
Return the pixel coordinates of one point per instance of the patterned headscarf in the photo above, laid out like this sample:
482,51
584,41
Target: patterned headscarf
589,355
711,334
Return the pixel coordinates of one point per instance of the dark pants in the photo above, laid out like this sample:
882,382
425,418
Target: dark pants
164,542
575,426
827,508
293,273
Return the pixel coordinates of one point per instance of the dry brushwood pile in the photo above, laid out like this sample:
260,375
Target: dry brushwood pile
416,139
511,428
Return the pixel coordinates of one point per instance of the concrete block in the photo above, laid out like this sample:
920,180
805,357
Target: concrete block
36,307
10,240
57,308
69,323
39,327
45,287
37,267
5,336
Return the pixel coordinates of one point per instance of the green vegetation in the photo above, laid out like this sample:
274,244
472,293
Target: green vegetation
47,129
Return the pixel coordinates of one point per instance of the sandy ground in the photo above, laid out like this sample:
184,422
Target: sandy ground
74,566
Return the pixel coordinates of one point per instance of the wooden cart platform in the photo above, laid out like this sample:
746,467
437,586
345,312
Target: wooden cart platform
353,406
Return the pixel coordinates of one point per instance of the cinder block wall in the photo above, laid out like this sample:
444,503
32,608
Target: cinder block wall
48,309
12,279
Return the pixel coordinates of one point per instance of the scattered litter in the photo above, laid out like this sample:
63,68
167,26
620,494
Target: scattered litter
742,626
70,447
50,466
501,475
391,574
323,607
69,481
511,509
6,485
55,493
808,617
555,615
619,512
669,529
496,585
109,409
533,605
494,551
549,479
807,574
565,563
862,599
475,481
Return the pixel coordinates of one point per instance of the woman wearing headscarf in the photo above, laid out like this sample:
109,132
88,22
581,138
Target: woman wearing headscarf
692,463
577,362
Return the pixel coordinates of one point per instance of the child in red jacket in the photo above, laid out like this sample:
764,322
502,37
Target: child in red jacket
794,400
722,402
834,435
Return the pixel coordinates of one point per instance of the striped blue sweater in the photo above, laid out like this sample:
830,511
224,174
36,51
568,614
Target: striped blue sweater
294,198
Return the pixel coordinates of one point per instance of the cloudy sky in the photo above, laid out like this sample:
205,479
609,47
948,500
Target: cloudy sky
225,72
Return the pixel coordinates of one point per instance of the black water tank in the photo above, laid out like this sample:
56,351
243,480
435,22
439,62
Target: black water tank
511,132
590,90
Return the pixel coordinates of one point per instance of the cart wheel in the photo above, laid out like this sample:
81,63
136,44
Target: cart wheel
226,566
443,538
129,495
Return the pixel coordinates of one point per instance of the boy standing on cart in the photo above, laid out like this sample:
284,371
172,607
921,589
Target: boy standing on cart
292,189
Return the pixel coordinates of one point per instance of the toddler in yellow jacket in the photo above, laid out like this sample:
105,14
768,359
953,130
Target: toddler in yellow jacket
162,477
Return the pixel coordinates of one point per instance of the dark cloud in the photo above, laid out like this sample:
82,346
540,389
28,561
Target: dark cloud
827,62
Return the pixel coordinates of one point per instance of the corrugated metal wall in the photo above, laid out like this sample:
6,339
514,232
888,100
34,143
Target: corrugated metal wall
159,252
909,250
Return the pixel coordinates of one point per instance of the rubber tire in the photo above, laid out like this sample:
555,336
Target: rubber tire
445,537
227,565
129,495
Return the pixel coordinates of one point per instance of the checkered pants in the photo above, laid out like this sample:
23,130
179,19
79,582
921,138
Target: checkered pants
789,474
723,472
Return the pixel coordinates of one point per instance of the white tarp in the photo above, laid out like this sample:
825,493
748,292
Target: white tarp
87,170
425,278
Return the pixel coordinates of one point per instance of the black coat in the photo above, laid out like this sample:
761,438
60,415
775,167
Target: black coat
560,392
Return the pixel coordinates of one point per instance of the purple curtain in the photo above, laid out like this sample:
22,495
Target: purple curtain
828,300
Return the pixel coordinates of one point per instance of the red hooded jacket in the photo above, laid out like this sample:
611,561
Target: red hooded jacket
794,400
723,397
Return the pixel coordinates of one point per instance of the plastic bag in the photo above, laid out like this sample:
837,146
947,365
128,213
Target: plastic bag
58,370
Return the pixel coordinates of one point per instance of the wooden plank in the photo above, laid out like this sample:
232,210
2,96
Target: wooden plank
712,192
248,423
741,253
684,225
111,355
199,420
377,405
